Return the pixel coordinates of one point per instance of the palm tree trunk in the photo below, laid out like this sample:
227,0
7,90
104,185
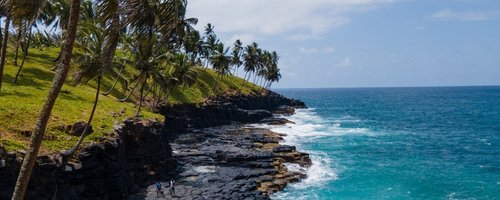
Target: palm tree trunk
3,51
24,55
216,84
114,84
131,92
71,151
111,43
244,83
149,90
246,75
140,99
168,93
41,124
1,33
18,43
260,81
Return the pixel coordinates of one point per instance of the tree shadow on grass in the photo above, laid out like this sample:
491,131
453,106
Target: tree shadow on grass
15,93
23,82
29,74
41,58
66,94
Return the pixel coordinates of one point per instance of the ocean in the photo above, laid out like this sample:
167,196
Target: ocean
396,143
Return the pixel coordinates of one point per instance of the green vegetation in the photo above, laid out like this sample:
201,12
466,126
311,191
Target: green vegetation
20,103
149,49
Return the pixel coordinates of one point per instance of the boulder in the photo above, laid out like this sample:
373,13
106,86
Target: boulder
284,148
77,129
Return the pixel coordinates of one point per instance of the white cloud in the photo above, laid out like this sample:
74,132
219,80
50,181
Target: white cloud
244,38
299,19
308,50
344,63
419,28
302,37
326,50
450,15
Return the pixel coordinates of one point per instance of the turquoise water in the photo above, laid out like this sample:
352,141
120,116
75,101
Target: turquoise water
397,143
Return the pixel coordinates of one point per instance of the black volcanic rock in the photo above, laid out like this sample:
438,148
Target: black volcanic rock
249,163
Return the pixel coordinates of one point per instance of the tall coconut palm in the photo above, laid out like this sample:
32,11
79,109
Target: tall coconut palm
41,124
274,75
236,60
150,62
26,13
180,73
92,66
266,64
221,62
175,27
6,7
250,56
108,11
193,45
210,40
185,71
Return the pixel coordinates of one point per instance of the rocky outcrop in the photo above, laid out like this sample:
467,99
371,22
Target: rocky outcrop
230,162
226,162
137,155
227,110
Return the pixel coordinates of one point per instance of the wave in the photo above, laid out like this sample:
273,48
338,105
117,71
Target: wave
309,126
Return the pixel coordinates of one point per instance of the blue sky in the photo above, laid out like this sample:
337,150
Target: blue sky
366,43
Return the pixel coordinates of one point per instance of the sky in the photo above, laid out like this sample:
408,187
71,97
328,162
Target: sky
366,43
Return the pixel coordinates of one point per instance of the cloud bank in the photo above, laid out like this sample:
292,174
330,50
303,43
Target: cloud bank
294,19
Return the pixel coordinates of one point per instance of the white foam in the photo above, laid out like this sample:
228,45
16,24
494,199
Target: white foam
319,173
309,126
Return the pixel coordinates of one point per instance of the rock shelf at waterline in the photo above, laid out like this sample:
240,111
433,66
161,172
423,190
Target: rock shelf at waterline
230,162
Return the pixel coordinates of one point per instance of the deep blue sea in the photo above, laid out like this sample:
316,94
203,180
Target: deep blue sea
397,143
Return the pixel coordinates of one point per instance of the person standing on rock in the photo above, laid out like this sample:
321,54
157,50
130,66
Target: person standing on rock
172,186
158,188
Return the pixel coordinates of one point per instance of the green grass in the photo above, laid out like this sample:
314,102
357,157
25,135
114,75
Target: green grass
20,103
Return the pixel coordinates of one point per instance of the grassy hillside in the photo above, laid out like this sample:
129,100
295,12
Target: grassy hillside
20,103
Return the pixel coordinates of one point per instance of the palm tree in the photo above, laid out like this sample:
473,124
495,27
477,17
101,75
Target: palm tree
41,124
250,57
25,14
175,27
150,61
236,55
273,75
220,61
108,12
193,44
210,40
266,64
6,6
181,72
91,65
184,72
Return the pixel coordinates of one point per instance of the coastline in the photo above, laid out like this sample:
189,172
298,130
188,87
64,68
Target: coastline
209,149
235,161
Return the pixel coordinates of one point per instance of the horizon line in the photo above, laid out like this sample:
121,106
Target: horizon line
374,87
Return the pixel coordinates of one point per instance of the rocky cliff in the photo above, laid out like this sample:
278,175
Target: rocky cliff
140,153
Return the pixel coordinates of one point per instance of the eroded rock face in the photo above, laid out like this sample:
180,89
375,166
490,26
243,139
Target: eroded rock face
230,162
227,110
134,158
